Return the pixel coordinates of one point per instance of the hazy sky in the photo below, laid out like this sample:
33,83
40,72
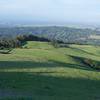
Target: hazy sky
53,11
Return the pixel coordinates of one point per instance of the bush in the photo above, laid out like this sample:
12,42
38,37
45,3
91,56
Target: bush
92,63
55,43
5,50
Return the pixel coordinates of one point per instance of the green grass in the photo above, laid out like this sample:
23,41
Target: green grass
39,45
42,72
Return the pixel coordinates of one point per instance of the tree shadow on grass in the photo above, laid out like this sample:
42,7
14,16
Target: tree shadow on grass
25,64
87,62
31,64
74,66
42,86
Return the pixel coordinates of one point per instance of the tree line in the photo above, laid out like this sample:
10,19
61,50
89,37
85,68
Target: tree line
19,41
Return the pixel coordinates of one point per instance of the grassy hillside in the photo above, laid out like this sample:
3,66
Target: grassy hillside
40,72
38,45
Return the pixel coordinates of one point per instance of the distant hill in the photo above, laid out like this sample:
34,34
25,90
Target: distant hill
65,34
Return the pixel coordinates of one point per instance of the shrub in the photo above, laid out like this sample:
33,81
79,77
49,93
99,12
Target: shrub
92,63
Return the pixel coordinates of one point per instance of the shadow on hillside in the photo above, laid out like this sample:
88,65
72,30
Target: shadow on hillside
83,51
74,66
42,86
87,62
25,64
31,64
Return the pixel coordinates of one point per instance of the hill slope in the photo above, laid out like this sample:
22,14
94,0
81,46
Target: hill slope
38,73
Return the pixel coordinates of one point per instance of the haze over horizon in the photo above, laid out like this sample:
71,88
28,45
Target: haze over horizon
50,11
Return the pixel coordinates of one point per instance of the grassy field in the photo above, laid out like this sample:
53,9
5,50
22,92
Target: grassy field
40,72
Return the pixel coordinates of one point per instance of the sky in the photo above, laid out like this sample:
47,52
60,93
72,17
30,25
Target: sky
50,11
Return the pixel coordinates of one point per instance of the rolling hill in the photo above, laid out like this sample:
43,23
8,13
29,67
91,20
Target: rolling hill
38,71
